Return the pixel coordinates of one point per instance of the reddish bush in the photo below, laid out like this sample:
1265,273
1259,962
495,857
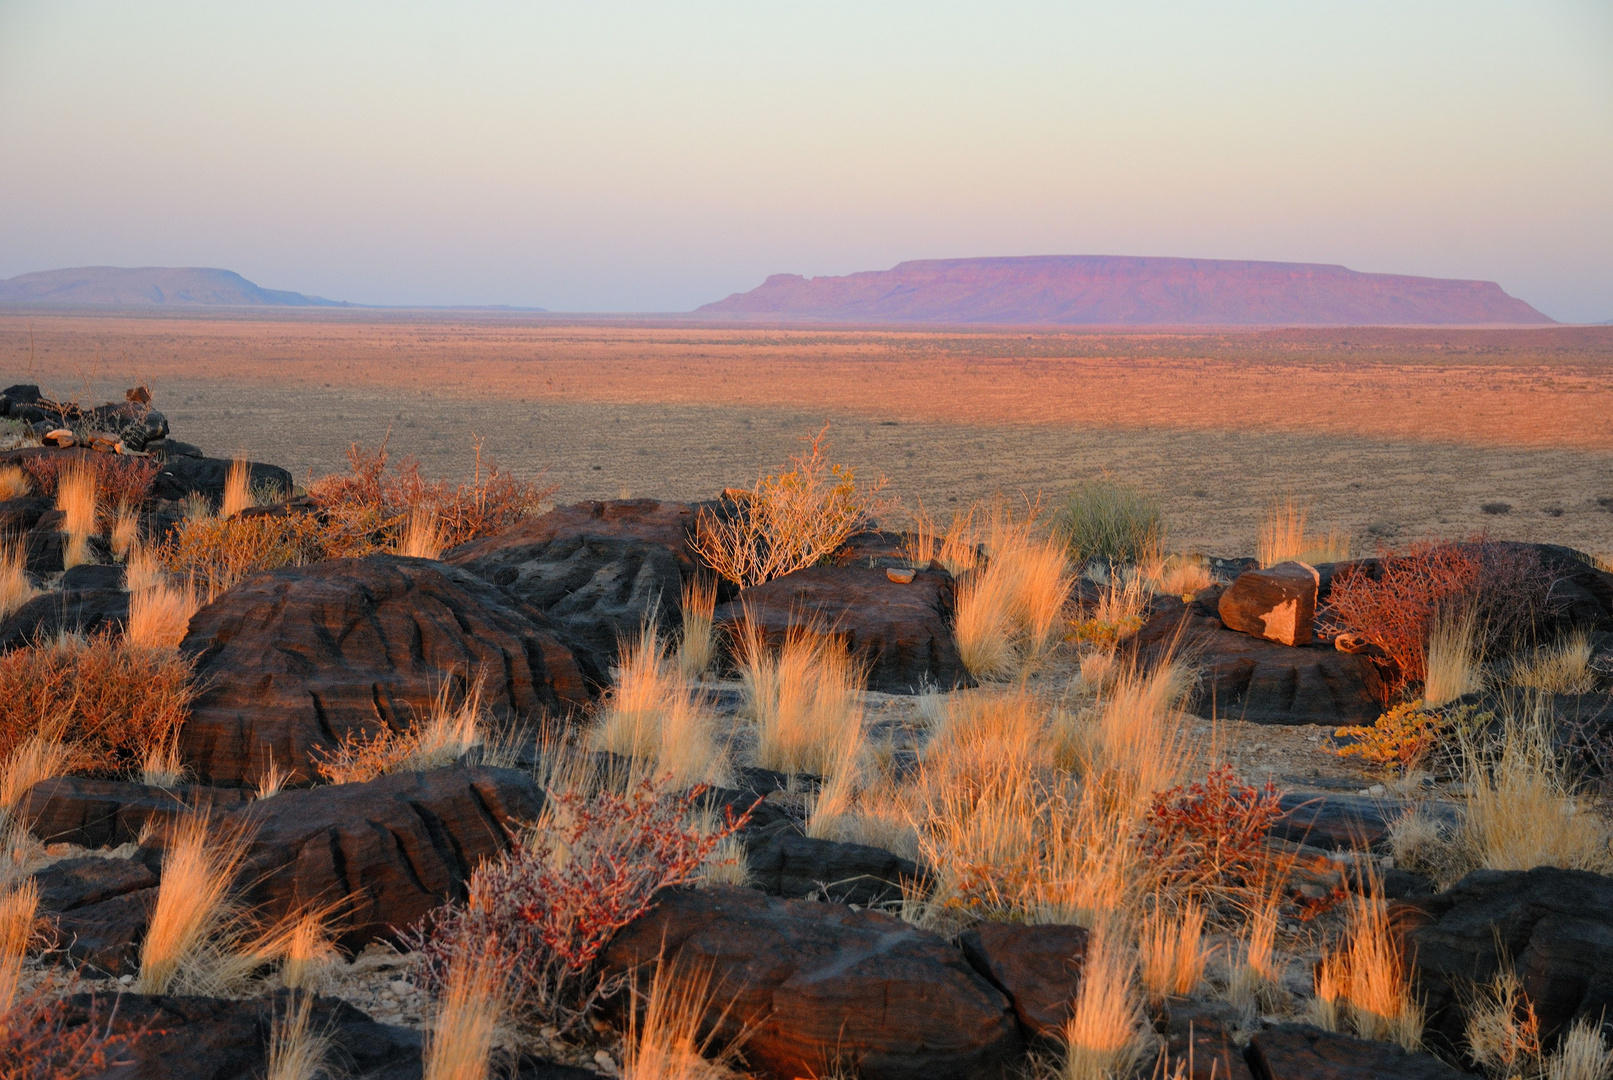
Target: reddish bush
119,481
1395,607
39,1040
1209,838
218,552
554,901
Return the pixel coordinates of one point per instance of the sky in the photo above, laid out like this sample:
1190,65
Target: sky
615,156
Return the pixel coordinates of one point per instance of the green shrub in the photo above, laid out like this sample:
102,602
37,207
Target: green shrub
1106,519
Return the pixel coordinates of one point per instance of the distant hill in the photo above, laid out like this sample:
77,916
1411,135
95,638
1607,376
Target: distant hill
147,286
1128,291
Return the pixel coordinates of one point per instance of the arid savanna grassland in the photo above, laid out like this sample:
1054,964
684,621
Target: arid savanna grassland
1389,434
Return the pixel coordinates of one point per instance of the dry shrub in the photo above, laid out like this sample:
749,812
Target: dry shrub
789,521
121,481
1504,586
16,588
592,864
1208,838
1562,667
456,724
369,509
296,1051
650,714
472,1003
1364,981
1454,665
697,646
1104,1037
1284,537
1118,613
805,697
664,1039
1171,952
14,483
953,547
160,614
195,940
221,551
110,700
41,1038
1402,738
1111,521
237,488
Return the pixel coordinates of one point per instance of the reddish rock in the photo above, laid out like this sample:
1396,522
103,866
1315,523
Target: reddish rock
1278,603
823,982
902,632
108,813
106,935
1198,1042
293,660
1038,967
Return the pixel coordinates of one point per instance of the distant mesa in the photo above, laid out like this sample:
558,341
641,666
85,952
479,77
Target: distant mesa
1113,290
147,286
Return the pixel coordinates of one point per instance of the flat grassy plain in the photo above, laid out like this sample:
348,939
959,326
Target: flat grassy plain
1392,434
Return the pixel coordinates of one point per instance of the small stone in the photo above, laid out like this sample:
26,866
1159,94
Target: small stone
606,1063
126,980
399,987
1376,789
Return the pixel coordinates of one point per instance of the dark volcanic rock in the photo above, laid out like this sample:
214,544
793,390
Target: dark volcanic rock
1554,926
1038,967
901,632
1298,1052
181,475
1278,603
53,613
788,864
92,577
1197,1038
1248,678
106,935
823,981
597,569
293,660
21,514
76,883
107,813
1341,822
391,849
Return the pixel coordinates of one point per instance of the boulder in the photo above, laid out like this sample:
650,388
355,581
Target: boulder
88,611
1277,603
1038,967
291,661
23,513
1555,928
826,984
107,935
901,633
789,864
92,577
180,475
389,850
1300,1052
597,569
76,883
874,548
1198,1041
108,813
1342,822
44,545
1248,678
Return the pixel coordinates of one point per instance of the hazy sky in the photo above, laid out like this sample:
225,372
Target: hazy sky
635,156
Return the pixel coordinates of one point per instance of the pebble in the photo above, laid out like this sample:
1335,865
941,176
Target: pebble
606,1063
399,987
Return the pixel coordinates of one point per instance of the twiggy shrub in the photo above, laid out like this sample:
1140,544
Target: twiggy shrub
121,481
805,697
591,865
1106,519
1503,1030
1208,838
109,700
1284,537
38,1041
789,521
651,714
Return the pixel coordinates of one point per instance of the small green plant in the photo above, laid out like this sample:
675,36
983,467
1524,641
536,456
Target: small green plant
1106,519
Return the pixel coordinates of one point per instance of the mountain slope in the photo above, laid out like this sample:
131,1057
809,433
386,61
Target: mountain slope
146,286
1128,291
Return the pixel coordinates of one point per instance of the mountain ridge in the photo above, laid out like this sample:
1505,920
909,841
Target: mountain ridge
148,286
1128,291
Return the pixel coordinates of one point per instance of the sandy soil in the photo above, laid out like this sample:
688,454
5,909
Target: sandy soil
1391,434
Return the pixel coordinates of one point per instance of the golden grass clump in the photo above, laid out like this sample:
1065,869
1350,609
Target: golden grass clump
296,1050
1285,538
305,949
125,535
237,488
1176,575
16,588
650,714
805,698
38,757
464,1032
77,499
1171,952
1364,981
1455,665
789,521
450,730
1134,741
953,547
1104,1037
195,938
697,644
19,908
1255,984
14,482
1582,1054
160,614
143,569
1009,613
664,1039
220,551
1563,667
421,537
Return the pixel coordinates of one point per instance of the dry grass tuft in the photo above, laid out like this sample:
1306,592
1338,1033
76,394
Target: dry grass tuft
163,766
76,498
1583,1054
1256,982
1454,664
304,945
454,727
14,482
464,1032
160,614
1365,982
421,537
125,535
221,551
1010,613
697,647
1503,1031
237,488
142,569
954,547
650,714
1176,575
663,1040
19,908
296,1051
16,589
1171,952
1562,667
1284,537
805,698
37,758
193,944
1104,1037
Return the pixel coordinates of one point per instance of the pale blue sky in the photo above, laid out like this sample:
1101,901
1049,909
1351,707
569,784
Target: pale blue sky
631,156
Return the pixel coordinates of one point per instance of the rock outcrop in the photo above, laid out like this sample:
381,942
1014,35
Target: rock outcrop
1277,603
